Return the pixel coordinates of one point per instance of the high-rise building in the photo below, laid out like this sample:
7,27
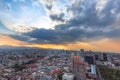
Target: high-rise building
96,57
79,68
89,60
82,50
105,57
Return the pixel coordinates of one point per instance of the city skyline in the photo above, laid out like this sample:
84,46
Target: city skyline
61,24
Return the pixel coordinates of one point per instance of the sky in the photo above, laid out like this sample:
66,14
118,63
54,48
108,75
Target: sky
61,24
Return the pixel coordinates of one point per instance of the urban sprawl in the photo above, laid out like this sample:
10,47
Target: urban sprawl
58,64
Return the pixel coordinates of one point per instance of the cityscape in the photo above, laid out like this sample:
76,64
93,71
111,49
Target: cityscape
59,39
24,63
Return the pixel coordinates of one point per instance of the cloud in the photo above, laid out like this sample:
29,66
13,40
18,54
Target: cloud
91,20
85,13
45,36
7,40
56,17
4,29
56,10
20,37
8,6
22,15
48,3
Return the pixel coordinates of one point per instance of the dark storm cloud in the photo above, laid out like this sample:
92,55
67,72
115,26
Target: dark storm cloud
87,23
54,36
87,14
66,36
57,17
20,37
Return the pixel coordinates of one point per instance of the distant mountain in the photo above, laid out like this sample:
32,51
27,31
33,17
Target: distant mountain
6,46
15,47
12,47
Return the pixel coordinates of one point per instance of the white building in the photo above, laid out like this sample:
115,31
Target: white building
68,76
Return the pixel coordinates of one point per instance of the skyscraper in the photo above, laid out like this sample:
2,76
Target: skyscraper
79,68
89,59
82,52
96,57
104,56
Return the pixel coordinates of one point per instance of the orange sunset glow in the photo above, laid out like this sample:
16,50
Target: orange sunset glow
96,46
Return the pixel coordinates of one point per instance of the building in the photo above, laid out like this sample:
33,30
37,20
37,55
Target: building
96,57
68,76
79,68
105,57
82,52
89,60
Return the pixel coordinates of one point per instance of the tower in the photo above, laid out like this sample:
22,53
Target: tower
79,68
96,57
104,56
